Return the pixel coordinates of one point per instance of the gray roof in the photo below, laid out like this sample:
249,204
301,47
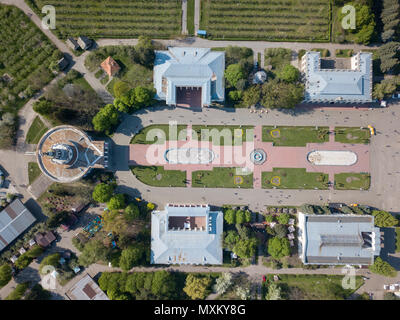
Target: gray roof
186,246
72,43
14,220
190,67
333,85
338,239
86,289
84,42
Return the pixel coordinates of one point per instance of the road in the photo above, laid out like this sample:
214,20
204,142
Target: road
385,178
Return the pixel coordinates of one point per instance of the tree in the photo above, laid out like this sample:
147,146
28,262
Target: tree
230,240
223,283
93,251
383,268
278,94
131,257
233,74
163,285
278,247
142,97
131,212
288,73
274,292
106,119
43,107
121,88
283,218
384,219
197,286
116,202
280,230
243,292
384,89
51,260
269,218
245,248
252,95
102,192
230,216
5,274
240,217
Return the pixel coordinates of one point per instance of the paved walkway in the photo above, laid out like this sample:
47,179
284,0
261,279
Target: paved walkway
197,12
239,156
184,17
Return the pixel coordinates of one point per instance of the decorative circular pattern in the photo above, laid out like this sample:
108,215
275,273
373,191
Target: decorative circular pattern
238,180
276,133
258,156
276,181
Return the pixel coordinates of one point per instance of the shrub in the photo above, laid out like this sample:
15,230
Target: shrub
383,268
5,274
278,247
102,192
384,219
283,218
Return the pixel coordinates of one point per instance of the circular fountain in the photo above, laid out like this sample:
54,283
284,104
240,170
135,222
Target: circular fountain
258,156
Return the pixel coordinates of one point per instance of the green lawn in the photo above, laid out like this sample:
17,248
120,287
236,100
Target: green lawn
190,16
294,136
344,53
33,171
277,57
324,52
163,130
352,135
352,181
219,132
315,287
294,178
36,131
156,176
221,178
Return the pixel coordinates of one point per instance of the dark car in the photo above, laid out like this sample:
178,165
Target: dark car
2,179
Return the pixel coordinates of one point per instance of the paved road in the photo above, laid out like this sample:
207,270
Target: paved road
184,17
385,178
197,12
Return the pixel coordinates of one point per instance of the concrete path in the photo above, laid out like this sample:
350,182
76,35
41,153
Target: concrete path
197,13
184,17
385,179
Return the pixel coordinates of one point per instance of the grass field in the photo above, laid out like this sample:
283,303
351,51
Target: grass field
190,16
294,178
221,178
352,181
140,137
294,136
291,20
115,19
36,131
33,171
315,287
352,135
277,57
156,176
224,135
25,56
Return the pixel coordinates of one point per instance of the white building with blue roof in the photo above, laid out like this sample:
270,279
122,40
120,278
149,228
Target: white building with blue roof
186,234
338,239
189,76
352,85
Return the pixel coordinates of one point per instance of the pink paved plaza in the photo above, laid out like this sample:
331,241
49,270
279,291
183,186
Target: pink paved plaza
239,156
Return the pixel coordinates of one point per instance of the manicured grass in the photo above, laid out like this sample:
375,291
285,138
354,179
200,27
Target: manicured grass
190,16
315,287
99,73
218,133
36,131
33,171
115,19
140,137
294,178
344,53
266,20
156,176
352,135
352,181
277,57
221,178
295,136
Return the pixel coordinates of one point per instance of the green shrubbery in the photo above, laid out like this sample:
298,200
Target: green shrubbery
383,268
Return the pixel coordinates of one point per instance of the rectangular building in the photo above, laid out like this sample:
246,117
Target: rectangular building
352,85
14,220
189,76
86,289
186,234
338,239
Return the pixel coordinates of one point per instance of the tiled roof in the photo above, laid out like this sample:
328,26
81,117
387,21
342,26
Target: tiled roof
110,66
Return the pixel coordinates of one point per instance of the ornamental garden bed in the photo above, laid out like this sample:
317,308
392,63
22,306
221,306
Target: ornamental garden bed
352,181
221,178
156,176
294,136
294,178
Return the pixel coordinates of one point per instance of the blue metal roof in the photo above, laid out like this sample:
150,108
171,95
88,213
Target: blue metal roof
189,67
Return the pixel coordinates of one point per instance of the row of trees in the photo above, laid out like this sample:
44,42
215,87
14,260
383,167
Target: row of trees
8,130
232,216
390,19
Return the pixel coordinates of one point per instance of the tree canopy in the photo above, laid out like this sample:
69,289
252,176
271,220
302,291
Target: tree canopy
278,247
384,219
197,286
102,192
